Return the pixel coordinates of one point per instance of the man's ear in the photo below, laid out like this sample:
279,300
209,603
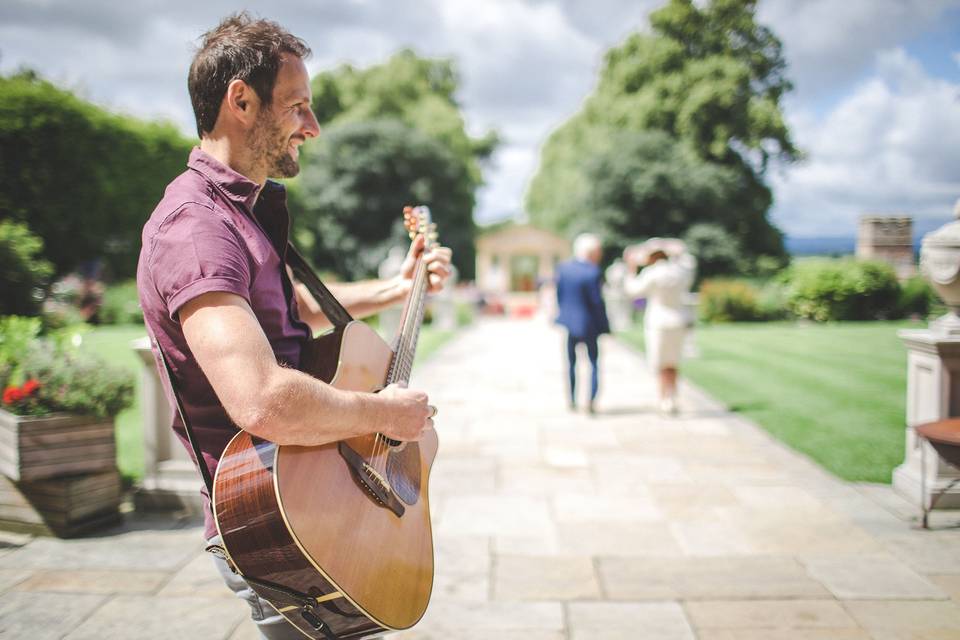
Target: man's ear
241,102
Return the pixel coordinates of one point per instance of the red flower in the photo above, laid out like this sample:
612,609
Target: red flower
12,395
30,386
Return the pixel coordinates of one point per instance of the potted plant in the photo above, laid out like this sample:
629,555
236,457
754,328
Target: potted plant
57,443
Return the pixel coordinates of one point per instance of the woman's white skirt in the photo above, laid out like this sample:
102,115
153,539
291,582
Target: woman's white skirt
664,346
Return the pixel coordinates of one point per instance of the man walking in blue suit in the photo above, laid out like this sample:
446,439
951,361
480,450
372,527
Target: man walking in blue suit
582,310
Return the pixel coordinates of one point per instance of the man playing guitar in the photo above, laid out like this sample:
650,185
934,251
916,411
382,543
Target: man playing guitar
216,293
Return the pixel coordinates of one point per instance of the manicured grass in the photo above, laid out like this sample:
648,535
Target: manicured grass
835,392
112,343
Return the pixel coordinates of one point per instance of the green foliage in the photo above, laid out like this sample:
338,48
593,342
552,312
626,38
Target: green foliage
917,298
708,80
17,333
729,301
84,179
417,91
68,380
78,383
842,289
362,172
354,187
25,272
121,305
718,252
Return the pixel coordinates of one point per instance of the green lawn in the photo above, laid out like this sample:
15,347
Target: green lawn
113,344
835,392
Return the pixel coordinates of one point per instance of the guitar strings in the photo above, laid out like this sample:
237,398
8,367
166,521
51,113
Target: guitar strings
381,444
409,341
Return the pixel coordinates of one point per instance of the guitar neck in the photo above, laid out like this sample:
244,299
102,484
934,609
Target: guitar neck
410,324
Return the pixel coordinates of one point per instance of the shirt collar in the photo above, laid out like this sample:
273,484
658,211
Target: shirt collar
234,185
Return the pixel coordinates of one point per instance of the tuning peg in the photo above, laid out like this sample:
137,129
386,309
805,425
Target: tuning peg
433,235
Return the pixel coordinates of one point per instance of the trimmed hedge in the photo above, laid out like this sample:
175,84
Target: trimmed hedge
842,289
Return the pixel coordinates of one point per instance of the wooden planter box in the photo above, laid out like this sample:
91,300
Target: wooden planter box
65,507
59,444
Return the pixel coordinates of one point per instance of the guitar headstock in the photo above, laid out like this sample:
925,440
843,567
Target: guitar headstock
417,221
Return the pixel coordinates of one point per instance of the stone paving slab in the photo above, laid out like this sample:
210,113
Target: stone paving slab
771,614
161,617
556,525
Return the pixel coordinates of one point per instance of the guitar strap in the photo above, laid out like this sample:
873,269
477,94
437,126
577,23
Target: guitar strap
201,462
330,306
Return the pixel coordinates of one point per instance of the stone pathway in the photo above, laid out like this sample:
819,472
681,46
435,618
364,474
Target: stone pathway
555,525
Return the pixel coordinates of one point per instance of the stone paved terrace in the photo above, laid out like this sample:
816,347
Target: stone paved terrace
554,525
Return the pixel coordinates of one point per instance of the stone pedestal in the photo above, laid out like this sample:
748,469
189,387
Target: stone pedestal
171,481
933,393
443,304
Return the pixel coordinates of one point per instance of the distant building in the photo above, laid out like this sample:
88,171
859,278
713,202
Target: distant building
888,239
514,260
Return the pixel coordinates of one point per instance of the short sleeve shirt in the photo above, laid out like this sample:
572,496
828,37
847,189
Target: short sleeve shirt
215,231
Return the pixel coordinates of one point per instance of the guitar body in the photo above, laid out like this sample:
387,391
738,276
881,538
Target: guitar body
347,522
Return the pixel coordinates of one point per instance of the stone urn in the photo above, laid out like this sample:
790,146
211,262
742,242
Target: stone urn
940,264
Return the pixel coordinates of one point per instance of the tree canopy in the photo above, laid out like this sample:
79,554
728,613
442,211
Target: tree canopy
679,131
353,190
420,92
393,135
83,179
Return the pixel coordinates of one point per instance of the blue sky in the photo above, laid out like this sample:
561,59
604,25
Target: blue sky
876,106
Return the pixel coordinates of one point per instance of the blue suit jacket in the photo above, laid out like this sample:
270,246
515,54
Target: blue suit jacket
582,310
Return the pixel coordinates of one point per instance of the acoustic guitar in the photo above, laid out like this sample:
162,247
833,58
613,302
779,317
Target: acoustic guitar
337,537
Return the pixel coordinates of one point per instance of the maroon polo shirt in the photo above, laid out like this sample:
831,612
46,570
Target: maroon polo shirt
211,232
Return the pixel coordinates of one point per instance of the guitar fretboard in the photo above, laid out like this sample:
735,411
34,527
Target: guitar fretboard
412,319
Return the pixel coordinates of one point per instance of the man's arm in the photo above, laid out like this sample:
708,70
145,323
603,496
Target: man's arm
280,404
368,297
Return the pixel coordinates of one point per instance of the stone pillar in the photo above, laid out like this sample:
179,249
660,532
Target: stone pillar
390,317
444,305
933,393
933,369
171,480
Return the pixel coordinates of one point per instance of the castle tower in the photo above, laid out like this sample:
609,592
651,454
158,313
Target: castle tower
889,239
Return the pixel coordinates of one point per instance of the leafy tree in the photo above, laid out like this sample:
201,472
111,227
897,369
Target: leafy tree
718,252
347,200
417,91
353,190
84,180
652,185
709,79
24,271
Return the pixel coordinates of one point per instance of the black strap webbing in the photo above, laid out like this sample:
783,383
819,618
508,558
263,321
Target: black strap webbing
201,462
330,306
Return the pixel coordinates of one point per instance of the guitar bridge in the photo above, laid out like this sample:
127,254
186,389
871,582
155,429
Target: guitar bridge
376,486
377,478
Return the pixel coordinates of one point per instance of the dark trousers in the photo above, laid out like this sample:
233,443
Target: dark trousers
593,354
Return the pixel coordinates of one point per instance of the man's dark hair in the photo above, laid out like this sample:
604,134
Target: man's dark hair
239,48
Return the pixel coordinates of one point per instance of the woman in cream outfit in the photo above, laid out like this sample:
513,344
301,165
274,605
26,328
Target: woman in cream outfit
664,282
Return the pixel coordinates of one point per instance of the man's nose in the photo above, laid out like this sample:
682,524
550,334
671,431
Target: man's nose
311,128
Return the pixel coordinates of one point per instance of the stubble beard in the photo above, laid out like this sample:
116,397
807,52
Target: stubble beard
271,148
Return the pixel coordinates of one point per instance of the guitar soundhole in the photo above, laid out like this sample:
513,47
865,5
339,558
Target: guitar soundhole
403,472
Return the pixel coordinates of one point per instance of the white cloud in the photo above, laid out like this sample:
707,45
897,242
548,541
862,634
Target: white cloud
892,145
829,44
